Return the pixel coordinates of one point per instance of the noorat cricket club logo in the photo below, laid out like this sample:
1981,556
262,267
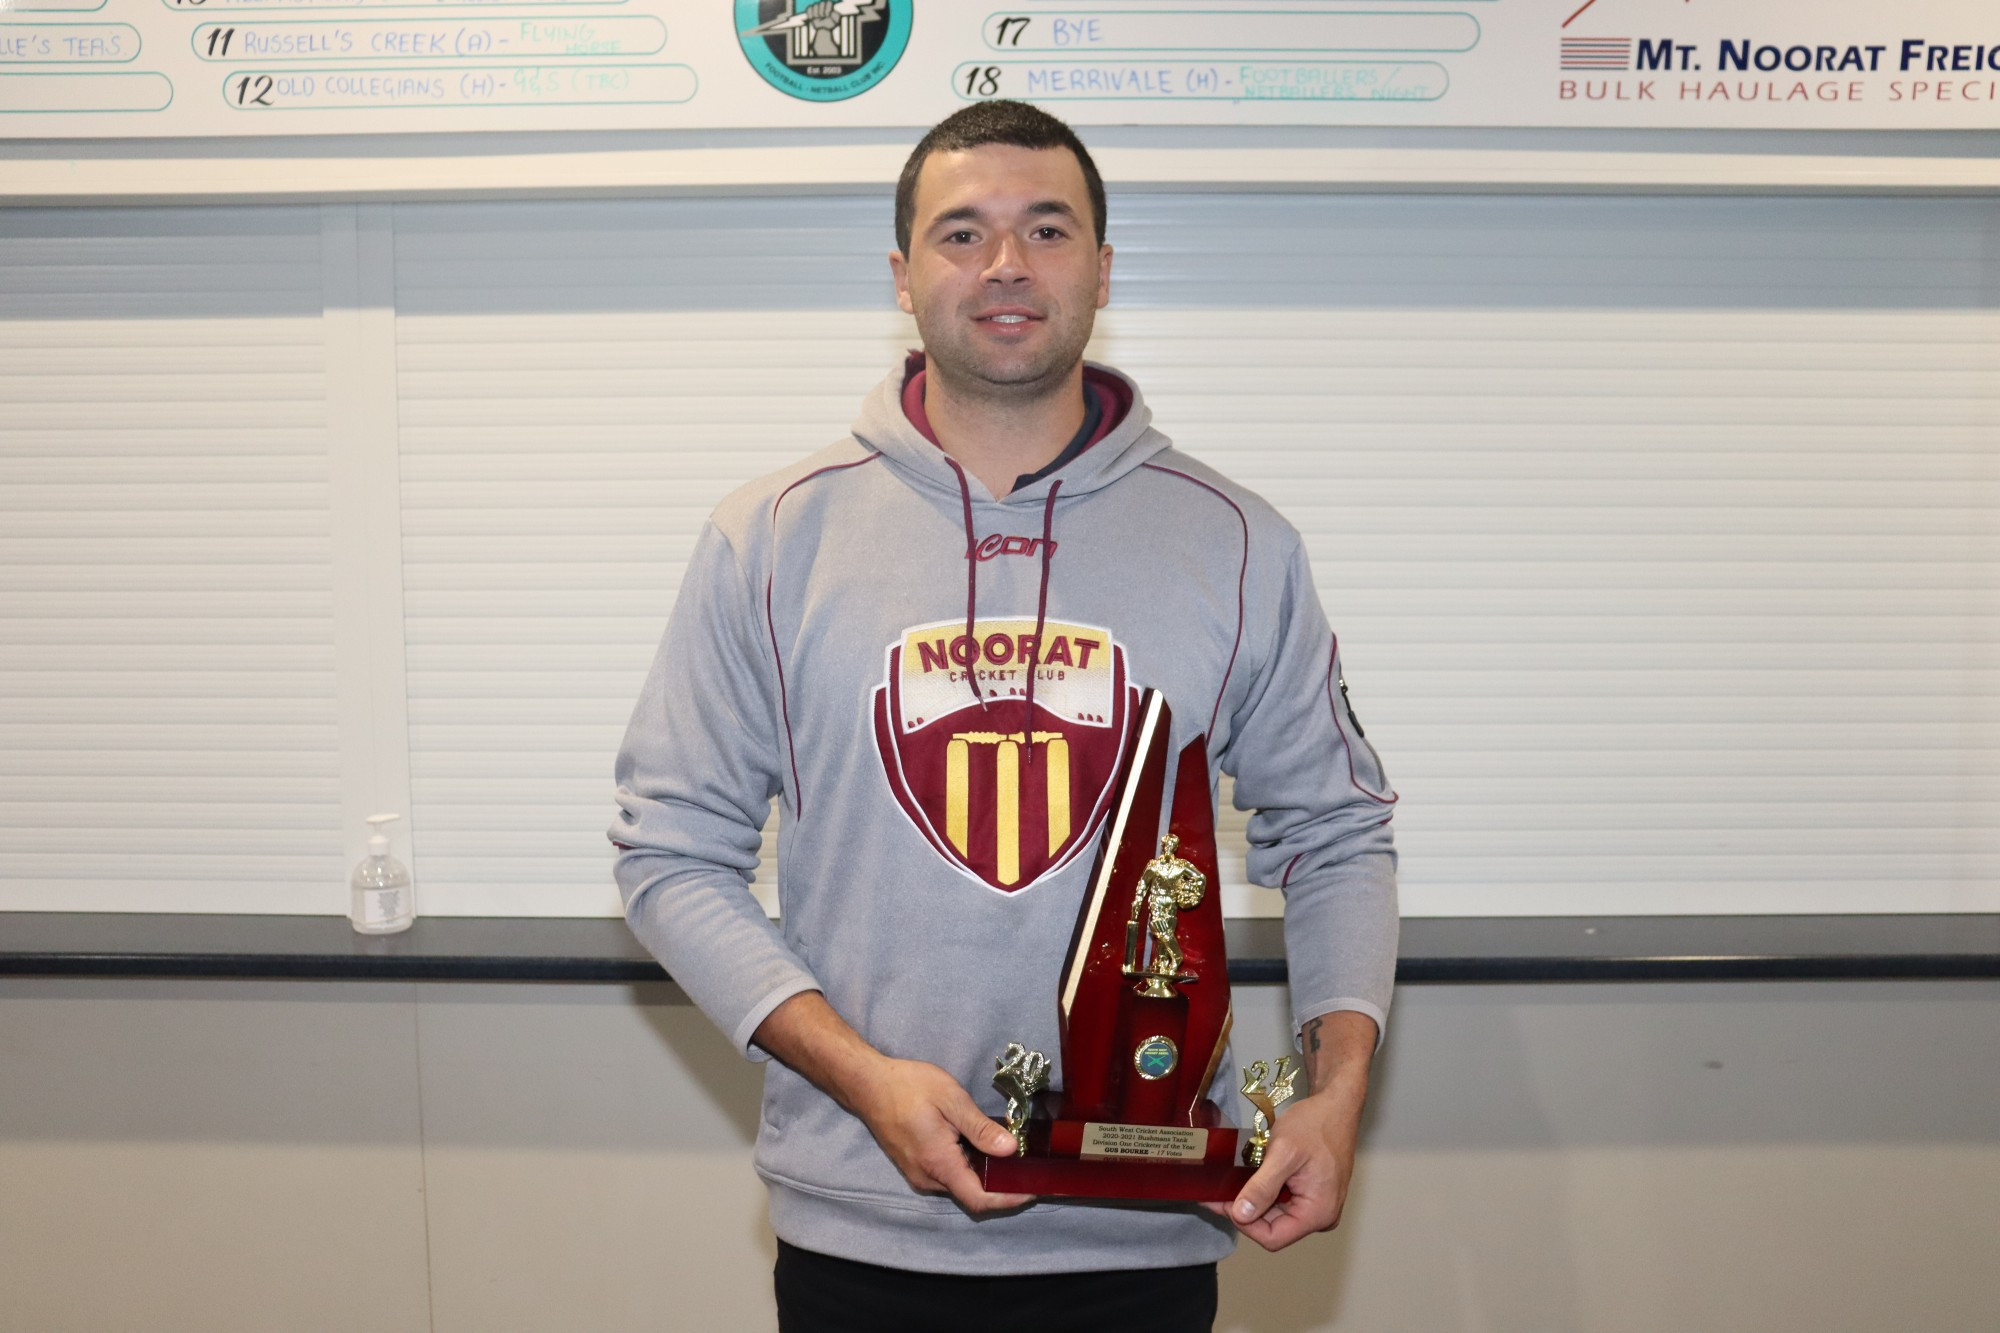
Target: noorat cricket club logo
1004,797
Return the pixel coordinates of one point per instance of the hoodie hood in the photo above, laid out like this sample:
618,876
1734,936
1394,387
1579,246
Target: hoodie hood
885,428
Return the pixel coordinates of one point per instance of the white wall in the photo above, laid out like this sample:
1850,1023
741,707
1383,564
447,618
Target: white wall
224,1157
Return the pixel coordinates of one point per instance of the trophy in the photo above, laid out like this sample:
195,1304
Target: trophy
1143,1011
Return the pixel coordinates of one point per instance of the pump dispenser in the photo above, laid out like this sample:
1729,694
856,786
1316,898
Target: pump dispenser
383,901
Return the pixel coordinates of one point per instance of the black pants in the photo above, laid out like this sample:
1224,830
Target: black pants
821,1294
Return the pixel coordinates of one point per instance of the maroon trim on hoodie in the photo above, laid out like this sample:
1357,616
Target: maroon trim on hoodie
771,623
1242,574
1114,392
1333,658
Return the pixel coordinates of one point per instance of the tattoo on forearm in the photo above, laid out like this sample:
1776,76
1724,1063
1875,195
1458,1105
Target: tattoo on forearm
1314,1074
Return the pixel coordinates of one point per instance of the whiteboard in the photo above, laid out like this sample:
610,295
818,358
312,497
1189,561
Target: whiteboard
211,68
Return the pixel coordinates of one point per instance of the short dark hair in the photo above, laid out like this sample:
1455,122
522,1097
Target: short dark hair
1015,124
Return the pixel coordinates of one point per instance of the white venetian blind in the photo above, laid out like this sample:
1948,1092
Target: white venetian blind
167,729
578,389
1659,532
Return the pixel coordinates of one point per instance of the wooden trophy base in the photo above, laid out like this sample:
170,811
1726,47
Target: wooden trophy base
1087,1159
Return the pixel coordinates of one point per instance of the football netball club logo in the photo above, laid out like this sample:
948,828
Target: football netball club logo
823,50
1004,797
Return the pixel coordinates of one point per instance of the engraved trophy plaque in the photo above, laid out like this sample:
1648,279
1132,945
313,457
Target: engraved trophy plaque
1143,1009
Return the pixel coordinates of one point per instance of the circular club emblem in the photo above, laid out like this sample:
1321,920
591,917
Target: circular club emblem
823,50
1156,1058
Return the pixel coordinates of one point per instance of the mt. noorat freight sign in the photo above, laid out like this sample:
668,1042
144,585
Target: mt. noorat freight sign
1906,71
121,68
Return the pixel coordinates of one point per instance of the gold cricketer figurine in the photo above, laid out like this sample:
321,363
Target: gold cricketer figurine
1169,886
1267,1090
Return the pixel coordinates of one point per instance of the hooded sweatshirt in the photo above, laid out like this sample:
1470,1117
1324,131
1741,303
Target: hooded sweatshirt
936,684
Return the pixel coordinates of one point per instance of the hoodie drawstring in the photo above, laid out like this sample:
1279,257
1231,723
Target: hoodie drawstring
1041,611
972,597
971,583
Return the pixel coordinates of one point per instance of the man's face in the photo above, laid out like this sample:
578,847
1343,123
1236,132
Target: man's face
1004,273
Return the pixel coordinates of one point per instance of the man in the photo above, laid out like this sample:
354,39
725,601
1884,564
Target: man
926,640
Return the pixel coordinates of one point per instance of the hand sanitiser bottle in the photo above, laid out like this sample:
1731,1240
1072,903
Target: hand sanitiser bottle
383,901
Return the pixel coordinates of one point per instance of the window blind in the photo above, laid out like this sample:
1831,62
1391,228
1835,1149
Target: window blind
167,729
1659,531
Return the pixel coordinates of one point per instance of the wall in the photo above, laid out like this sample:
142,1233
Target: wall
1634,513
244,1157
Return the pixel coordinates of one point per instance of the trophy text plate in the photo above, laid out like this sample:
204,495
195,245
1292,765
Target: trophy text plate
1146,1143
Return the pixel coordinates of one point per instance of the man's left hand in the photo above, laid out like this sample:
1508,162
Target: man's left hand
1311,1151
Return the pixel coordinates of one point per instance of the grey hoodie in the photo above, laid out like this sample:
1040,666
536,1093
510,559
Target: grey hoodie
934,843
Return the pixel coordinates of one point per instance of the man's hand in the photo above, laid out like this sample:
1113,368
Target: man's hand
915,1110
1312,1145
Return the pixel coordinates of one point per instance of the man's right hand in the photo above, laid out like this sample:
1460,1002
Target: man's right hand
916,1111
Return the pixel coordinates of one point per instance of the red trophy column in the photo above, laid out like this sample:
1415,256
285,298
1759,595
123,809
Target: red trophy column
1144,1006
